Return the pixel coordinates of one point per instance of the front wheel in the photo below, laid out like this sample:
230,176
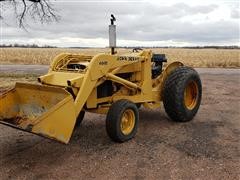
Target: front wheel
182,94
122,121
79,119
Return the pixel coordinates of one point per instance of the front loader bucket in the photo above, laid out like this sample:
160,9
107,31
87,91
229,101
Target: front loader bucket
44,110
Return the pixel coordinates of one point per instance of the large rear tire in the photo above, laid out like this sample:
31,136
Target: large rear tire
122,121
182,94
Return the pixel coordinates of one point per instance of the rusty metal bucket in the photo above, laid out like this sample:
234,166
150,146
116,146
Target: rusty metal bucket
44,110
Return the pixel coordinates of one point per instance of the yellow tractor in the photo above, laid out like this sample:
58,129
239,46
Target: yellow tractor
107,83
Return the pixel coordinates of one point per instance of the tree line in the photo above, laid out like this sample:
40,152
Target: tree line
25,46
16,45
185,47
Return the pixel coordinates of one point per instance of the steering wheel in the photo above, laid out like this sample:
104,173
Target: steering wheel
137,49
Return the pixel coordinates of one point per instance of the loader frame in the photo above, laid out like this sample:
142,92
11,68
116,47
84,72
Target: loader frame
138,88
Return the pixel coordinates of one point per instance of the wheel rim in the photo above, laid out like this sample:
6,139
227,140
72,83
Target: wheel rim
191,95
127,122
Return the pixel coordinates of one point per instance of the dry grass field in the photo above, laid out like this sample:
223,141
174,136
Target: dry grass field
226,58
7,80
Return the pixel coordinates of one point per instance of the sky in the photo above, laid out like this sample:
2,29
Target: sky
84,23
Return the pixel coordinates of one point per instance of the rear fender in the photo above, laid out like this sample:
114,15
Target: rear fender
158,83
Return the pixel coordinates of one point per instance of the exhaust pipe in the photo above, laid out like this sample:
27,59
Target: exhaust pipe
112,35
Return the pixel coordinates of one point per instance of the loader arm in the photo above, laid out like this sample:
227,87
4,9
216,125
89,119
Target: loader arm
99,69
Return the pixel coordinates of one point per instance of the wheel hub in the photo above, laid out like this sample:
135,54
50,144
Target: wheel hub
191,95
127,121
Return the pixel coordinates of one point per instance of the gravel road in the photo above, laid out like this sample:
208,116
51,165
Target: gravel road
41,69
206,148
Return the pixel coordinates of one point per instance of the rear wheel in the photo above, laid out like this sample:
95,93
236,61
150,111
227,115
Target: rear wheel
122,121
182,94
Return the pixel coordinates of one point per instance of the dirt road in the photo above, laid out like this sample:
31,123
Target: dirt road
41,69
206,148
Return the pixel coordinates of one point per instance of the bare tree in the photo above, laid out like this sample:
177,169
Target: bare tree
39,10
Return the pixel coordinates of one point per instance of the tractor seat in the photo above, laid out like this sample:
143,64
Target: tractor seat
157,60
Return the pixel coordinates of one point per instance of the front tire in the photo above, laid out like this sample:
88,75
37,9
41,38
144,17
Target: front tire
138,105
182,94
122,121
79,119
